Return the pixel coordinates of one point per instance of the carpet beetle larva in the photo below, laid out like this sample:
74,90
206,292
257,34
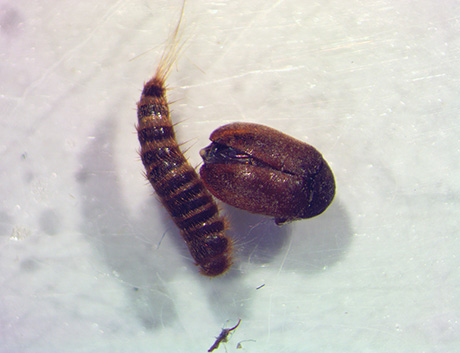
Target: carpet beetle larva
176,182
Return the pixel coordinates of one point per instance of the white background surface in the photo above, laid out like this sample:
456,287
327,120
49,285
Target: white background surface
374,85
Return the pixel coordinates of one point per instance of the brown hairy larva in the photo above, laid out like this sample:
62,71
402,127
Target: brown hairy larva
175,181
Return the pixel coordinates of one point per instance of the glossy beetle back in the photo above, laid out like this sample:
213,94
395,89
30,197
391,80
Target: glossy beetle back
262,170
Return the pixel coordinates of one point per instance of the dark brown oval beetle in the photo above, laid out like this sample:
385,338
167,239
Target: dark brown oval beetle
261,170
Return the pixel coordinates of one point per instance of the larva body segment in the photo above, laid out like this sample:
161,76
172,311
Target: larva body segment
176,182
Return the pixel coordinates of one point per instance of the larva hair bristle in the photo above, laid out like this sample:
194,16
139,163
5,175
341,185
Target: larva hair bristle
172,50
176,182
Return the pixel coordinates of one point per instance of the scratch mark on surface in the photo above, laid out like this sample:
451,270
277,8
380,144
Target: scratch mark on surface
427,77
253,72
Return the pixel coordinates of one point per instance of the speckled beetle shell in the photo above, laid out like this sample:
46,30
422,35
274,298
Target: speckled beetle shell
261,170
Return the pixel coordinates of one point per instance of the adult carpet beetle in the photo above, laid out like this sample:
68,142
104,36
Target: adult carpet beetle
261,170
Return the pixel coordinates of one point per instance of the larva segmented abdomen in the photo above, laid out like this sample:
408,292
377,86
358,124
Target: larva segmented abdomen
178,185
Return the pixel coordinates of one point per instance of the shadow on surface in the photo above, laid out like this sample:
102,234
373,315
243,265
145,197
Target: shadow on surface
318,242
120,239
